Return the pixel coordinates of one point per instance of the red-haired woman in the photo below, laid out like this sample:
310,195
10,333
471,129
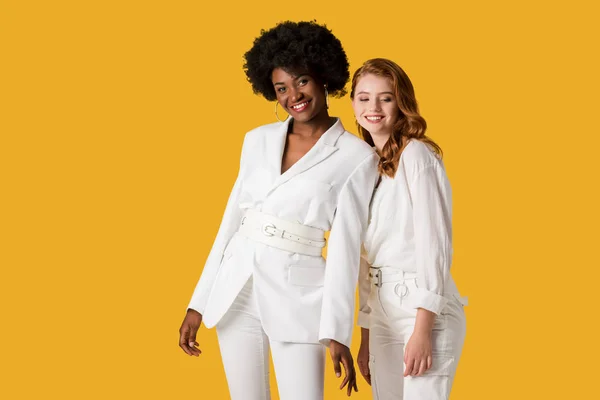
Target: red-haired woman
412,318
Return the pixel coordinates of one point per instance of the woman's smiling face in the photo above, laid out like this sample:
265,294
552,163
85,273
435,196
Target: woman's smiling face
374,104
300,95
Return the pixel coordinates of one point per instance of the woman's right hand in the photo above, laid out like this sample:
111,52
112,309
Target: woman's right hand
187,332
363,356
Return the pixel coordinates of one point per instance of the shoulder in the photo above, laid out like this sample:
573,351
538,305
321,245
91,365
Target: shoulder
358,156
263,130
418,155
260,134
357,146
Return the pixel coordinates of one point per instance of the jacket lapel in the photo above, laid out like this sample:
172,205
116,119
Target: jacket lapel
275,144
325,147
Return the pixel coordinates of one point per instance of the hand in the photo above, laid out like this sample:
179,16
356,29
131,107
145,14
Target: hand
363,362
363,355
339,352
187,332
417,354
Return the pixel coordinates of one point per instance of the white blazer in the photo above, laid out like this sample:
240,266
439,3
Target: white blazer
302,299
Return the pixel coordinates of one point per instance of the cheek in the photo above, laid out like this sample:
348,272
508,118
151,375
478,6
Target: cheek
282,99
358,111
393,113
317,96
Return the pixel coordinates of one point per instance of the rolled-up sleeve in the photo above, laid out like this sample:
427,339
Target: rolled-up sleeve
432,212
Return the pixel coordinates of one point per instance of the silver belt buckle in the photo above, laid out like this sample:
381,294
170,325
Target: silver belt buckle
377,278
264,229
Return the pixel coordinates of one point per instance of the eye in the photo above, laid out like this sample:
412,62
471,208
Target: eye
363,99
281,89
387,99
302,82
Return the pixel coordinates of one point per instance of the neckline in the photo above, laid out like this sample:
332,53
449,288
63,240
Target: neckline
322,139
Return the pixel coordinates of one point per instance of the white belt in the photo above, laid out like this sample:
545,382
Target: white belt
381,275
282,234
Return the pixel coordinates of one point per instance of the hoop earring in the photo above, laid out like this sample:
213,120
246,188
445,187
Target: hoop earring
326,97
277,115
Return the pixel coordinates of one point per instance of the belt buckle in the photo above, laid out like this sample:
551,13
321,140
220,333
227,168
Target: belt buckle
377,282
264,229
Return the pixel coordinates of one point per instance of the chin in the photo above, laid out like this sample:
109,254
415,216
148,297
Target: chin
304,117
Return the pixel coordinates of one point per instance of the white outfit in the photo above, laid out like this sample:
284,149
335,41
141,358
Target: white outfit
245,352
408,253
300,298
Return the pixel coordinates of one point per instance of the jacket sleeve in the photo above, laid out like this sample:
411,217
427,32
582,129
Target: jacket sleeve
343,253
364,290
229,225
432,218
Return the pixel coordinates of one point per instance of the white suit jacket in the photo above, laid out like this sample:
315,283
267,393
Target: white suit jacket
303,299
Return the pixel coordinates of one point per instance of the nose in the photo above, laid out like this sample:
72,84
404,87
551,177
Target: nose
374,105
295,95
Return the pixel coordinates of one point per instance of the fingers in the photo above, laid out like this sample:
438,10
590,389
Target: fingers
192,338
417,367
187,340
410,366
340,355
352,383
347,375
422,367
363,362
368,379
350,378
192,343
337,368
363,367
193,346
183,339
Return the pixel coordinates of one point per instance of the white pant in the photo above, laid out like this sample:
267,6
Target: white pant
390,326
299,367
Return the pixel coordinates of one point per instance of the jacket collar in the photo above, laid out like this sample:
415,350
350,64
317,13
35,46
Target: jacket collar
325,147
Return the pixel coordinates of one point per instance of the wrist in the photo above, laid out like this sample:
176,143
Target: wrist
422,331
364,336
194,312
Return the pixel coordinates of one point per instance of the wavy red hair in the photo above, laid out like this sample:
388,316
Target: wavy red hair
410,124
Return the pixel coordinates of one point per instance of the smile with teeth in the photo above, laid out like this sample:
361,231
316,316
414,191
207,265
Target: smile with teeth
300,107
374,118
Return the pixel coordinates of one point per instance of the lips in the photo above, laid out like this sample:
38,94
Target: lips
299,107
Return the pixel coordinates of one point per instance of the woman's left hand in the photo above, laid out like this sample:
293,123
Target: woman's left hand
417,354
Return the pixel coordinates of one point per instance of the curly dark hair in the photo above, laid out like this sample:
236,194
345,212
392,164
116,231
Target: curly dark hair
297,47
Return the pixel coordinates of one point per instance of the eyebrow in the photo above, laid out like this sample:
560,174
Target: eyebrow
295,78
363,92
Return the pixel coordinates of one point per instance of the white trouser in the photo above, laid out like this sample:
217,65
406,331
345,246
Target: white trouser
299,367
390,326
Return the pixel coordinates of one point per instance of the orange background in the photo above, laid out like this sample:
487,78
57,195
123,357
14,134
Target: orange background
121,124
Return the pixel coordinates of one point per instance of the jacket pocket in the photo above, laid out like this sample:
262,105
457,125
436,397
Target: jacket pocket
306,276
228,251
